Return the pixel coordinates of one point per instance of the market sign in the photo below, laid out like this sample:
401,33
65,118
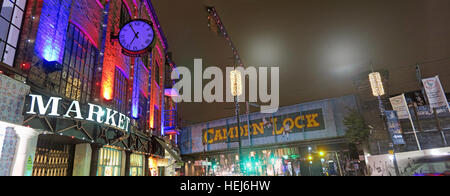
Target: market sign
96,113
306,121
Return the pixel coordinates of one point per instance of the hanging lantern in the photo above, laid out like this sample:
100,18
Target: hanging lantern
376,84
236,83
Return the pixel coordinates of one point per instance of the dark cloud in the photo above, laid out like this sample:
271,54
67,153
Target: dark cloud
319,45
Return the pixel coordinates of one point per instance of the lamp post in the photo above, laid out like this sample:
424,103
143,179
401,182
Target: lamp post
236,91
378,90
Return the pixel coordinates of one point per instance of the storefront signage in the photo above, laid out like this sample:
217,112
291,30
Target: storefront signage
97,114
312,120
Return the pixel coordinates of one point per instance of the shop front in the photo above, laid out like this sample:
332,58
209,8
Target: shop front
110,162
137,165
84,139
153,166
275,161
300,140
54,156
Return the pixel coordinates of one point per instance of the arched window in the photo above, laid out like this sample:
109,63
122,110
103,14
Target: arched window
79,63
120,91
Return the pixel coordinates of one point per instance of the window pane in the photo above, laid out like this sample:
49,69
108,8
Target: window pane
78,49
66,57
72,56
21,3
13,36
70,34
2,48
4,30
9,55
7,9
17,18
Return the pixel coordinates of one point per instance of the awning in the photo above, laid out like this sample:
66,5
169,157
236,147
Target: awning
171,151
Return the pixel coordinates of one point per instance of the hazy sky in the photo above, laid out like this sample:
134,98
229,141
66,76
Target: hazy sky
319,45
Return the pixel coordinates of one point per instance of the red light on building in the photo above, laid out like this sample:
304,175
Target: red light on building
25,66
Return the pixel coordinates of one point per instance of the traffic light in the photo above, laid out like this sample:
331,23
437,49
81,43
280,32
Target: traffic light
321,153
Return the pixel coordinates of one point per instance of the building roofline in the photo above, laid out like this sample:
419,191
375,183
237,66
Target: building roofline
158,25
253,113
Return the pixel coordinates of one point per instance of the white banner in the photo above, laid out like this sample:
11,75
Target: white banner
399,104
435,93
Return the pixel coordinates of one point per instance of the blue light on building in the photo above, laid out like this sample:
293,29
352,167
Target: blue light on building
51,35
136,89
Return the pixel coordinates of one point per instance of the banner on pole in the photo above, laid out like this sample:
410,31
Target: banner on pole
394,127
435,93
399,104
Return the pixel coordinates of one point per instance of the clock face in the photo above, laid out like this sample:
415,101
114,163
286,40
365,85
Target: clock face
136,36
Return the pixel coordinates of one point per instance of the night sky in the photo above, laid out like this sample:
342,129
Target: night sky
319,45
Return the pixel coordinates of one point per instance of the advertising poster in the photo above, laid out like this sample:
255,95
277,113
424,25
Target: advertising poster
435,93
394,127
399,104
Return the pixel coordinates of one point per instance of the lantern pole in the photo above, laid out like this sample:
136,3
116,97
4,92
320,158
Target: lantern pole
376,88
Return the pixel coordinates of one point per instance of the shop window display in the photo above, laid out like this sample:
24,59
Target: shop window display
136,165
109,162
153,166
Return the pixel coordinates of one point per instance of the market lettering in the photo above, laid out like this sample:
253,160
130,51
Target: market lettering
74,111
296,122
43,109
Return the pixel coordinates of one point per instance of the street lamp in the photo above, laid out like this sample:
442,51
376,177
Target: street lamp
236,91
377,84
378,90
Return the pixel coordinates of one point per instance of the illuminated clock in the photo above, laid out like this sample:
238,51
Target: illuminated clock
136,37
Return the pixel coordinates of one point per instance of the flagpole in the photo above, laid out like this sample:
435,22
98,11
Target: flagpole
412,123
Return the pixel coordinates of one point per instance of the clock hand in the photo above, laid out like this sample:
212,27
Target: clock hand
133,40
132,28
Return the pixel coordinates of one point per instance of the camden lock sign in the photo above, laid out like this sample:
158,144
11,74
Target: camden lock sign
97,114
305,121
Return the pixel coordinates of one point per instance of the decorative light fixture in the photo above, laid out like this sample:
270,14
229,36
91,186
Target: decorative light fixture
236,83
376,84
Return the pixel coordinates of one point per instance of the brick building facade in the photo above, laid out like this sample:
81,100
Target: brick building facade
69,50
